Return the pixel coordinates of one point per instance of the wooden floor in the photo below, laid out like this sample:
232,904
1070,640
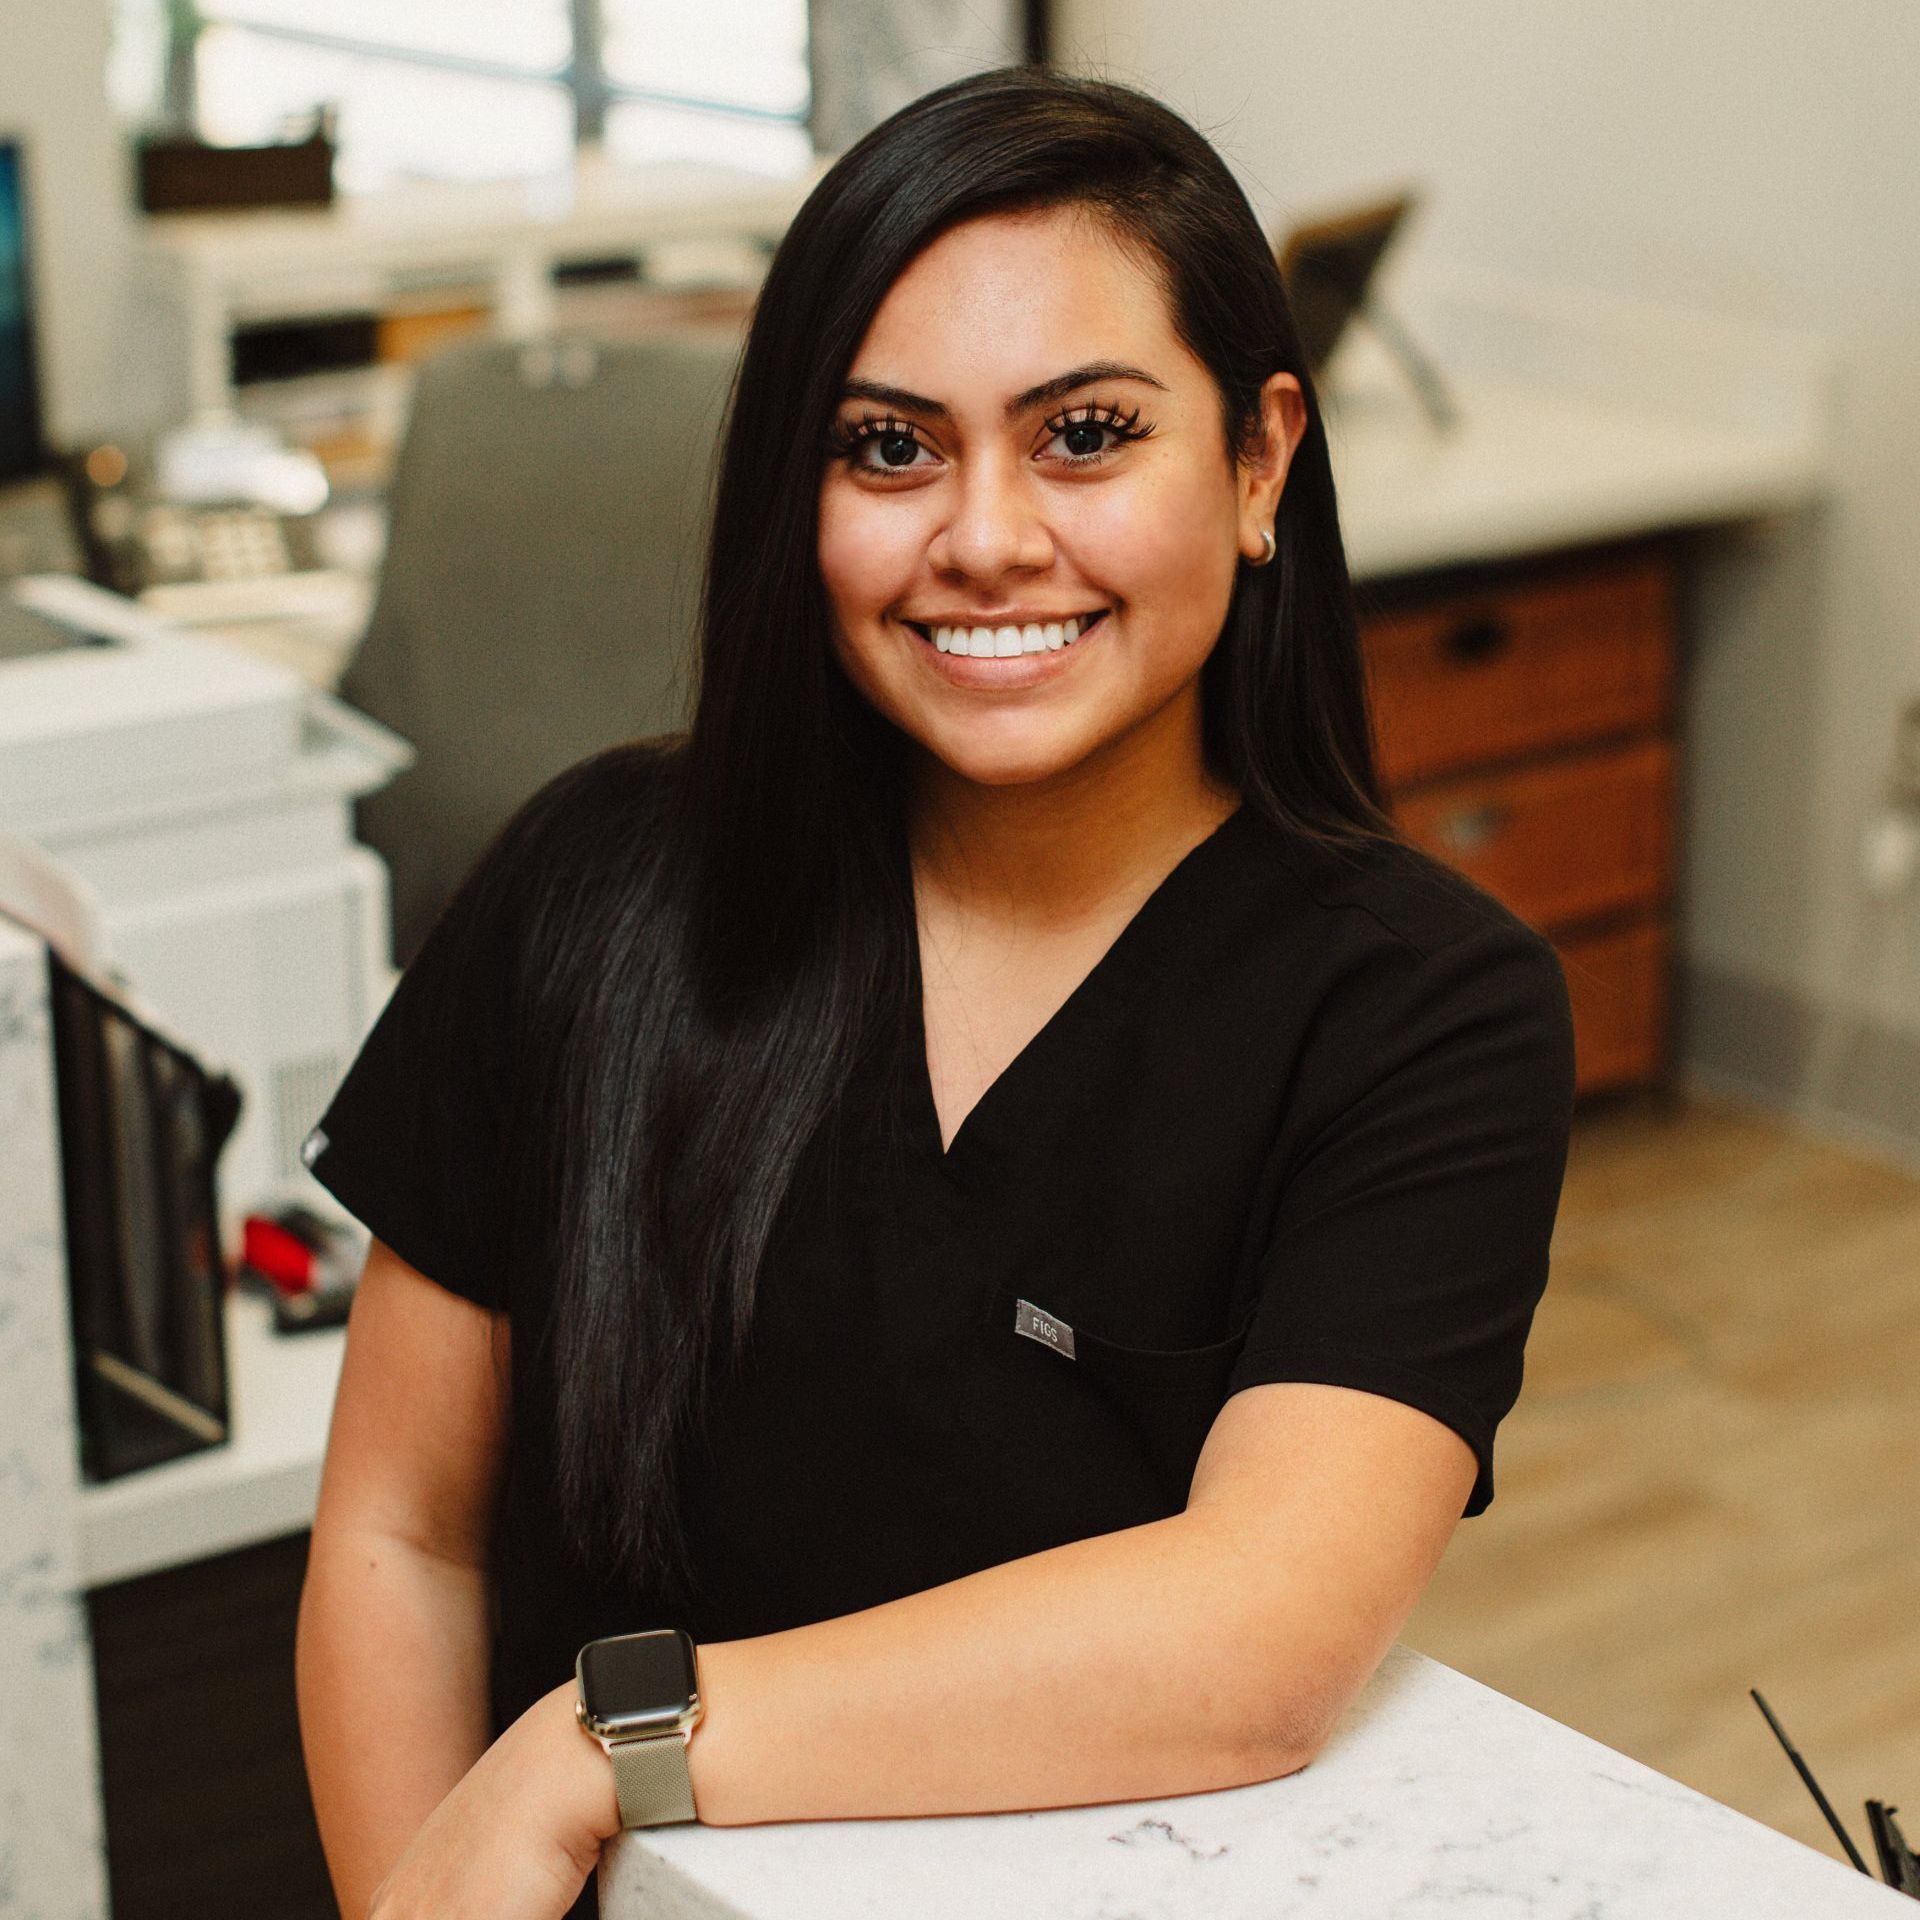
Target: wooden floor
1712,1479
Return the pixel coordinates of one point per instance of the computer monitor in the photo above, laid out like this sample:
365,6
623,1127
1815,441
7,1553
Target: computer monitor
22,448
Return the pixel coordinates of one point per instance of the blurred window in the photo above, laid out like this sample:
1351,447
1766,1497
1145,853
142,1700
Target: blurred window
477,89
751,52
661,58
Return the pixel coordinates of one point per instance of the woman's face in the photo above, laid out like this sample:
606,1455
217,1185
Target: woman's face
1024,443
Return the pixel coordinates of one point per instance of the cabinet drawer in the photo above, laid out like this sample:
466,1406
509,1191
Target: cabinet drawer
1563,841
1617,982
1481,674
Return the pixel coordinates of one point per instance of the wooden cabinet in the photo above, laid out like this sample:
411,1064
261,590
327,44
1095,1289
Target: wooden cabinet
201,1772
1524,716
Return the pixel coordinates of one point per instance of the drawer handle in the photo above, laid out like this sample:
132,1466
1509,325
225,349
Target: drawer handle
1469,830
1477,640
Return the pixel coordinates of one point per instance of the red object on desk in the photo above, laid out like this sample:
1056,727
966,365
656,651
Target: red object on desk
285,1259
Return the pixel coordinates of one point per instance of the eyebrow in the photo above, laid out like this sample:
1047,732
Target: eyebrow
1057,388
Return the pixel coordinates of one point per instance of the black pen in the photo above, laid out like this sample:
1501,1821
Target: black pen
1813,1785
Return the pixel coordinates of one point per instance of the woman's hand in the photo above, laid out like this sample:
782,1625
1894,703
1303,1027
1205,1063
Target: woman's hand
516,1839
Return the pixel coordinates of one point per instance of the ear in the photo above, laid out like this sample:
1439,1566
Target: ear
1283,414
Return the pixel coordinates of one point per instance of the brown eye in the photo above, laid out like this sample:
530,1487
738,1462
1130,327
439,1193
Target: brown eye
1088,436
896,442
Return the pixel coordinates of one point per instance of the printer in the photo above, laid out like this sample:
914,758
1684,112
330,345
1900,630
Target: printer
204,798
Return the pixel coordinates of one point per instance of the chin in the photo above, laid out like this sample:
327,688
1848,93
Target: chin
1010,763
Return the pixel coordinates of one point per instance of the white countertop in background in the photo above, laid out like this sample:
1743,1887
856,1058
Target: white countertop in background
1529,469
259,1486
1581,417
1436,1797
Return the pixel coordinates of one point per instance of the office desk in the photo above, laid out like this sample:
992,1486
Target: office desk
1526,584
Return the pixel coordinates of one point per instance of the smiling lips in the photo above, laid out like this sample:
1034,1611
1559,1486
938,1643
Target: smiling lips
984,643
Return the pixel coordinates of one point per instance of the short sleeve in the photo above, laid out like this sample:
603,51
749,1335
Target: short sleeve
1411,1234
424,1140
410,1142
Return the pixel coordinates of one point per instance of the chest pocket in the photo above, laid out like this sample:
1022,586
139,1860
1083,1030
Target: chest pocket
1166,1398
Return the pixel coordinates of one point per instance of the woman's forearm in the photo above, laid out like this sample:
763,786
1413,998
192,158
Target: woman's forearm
392,1677
1215,1648
1118,1667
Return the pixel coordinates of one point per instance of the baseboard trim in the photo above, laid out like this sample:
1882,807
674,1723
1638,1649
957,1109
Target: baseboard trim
1832,1073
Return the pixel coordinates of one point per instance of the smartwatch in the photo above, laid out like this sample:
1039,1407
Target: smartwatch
640,1698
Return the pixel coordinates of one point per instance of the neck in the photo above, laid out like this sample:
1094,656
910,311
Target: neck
1050,852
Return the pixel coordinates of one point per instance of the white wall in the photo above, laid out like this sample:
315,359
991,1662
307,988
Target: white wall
53,95
1757,160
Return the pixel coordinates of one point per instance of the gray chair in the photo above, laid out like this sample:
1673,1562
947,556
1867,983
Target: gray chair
549,514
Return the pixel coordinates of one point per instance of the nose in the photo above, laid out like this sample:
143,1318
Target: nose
996,527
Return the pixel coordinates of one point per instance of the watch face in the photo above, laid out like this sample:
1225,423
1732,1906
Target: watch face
637,1682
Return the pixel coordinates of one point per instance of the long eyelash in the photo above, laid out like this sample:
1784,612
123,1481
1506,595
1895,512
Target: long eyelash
846,438
1103,414
843,438
1125,426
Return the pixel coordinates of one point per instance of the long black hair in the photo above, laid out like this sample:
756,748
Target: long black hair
708,1007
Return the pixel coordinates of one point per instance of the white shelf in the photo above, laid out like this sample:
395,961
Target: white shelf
222,270
260,1485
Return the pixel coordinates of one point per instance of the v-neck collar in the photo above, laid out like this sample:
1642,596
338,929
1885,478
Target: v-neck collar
1094,987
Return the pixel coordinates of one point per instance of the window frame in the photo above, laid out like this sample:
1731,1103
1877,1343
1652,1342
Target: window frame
583,76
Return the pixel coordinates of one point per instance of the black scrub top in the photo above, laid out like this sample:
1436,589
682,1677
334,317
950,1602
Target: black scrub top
1306,1119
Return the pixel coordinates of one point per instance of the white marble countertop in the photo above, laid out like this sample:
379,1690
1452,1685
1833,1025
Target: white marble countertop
1437,1796
51,1860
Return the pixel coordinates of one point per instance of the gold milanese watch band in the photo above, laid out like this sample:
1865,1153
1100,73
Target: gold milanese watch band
652,1780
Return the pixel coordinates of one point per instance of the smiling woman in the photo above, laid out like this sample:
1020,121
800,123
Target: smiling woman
998,509
984,1204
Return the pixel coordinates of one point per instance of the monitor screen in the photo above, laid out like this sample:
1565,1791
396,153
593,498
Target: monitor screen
1327,265
21,449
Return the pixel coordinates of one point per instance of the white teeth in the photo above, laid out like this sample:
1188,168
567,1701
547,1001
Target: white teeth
986,643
